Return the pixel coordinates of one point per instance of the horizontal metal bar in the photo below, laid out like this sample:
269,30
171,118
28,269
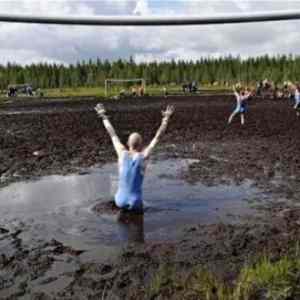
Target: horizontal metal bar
152,21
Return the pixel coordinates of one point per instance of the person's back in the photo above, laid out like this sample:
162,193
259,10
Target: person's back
131,176
132,163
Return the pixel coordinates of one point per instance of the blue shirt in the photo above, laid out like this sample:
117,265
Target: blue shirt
131,177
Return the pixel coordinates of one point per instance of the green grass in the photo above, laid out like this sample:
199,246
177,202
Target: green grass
274,280
100,91
267,279
75,92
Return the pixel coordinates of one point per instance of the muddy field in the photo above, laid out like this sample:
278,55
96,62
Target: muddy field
62,137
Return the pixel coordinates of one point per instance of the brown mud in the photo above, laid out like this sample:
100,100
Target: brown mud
61,137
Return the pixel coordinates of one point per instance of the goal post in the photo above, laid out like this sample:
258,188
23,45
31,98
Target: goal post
109,82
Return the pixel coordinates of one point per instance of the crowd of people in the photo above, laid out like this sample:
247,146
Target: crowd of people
14,90
268,89
135,91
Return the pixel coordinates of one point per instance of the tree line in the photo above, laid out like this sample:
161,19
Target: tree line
205,70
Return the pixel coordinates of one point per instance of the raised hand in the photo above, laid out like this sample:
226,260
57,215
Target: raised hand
168,112
99,108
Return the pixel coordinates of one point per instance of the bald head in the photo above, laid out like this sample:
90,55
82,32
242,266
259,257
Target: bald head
135,141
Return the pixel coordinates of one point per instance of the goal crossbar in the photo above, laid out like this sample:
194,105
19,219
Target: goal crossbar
125,80
153,20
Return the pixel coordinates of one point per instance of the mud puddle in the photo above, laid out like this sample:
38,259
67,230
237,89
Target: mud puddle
60,207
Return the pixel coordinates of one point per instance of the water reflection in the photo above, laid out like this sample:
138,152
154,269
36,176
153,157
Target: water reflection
131,227
60,207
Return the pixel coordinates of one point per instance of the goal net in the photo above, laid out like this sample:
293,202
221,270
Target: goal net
127,86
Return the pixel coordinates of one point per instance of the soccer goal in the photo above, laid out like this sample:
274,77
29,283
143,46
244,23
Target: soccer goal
111,84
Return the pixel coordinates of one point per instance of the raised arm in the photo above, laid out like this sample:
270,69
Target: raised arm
119,147
236,94
164,124
246,96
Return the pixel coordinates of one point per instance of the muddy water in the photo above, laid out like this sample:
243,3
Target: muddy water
60,207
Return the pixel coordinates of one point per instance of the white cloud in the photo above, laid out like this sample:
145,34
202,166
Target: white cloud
28,57
142,8
31,43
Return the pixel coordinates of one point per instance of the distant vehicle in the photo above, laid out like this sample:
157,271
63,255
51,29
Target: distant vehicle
15,89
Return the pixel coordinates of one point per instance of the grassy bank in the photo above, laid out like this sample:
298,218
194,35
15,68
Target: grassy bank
266,279
100,91
154,90
75,92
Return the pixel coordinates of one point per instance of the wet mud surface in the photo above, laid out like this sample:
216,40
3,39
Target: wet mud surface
62,138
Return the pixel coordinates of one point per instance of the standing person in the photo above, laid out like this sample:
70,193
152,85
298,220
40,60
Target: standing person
289,91
132,161
294,90
133,91
194,87
165,92
141,91
259,88
241,97
297,99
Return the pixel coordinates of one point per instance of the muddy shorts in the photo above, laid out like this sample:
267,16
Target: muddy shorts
240,110
243,109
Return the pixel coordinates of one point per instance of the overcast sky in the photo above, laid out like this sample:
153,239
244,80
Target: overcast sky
66,44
